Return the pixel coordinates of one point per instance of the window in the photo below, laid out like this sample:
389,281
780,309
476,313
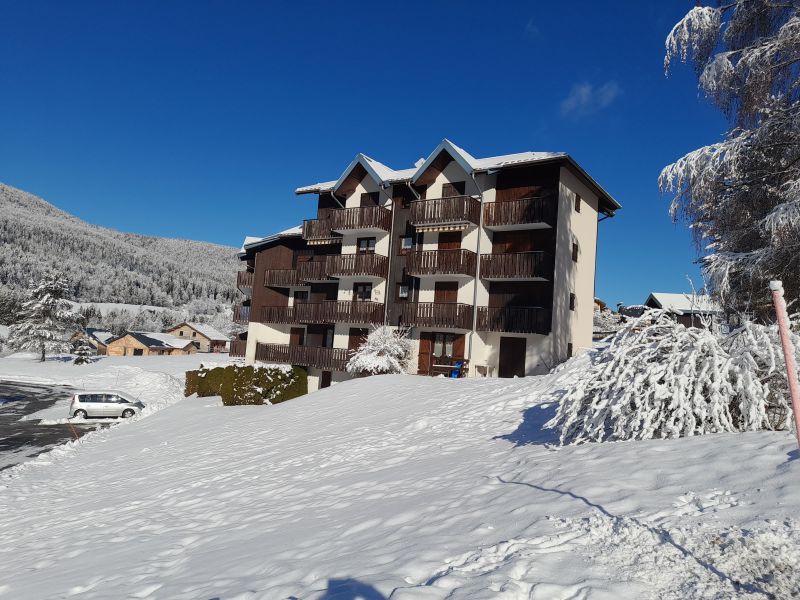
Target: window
366,245
572,301
402,291
328,341
574,251
194,334
456,188
577,203
569,350
180,333
362,292
443,345
370,199
406,243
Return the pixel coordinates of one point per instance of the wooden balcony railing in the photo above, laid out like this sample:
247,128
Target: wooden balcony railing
336,311
329,359
317,229
520,212
345,265
458,209
514,319
431,314
277,314
238,348
244,281
281,277
241,314
346,219
313,270
516,265
440,262
362,217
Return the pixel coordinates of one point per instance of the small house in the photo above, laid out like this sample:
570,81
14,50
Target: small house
147,343
97,338
691,310
205,337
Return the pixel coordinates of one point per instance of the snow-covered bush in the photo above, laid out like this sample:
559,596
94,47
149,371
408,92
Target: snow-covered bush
385,350
607,321
659,379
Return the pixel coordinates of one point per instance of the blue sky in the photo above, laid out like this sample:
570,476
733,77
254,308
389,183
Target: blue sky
198,119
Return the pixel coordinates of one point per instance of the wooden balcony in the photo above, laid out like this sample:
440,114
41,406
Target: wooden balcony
440,262
432,314
281,277
277,314
514,319
442,211
244,281
339,311
313,270
531,266
328,359
241,314
520,214
337,220
359,265
238,348
317,229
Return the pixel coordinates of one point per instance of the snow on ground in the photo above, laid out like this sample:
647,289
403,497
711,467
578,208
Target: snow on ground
399,487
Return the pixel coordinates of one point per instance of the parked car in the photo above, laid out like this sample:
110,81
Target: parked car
104,404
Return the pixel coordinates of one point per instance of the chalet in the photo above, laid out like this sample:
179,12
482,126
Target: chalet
487,261
205,337
147,343
97,338
692,310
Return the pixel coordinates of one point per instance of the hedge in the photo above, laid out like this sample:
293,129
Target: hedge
248,385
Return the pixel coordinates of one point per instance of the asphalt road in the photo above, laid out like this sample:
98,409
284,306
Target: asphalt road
23,440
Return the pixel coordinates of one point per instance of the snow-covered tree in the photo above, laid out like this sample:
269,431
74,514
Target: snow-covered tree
659,379
607,321
741,196
83,352
386,350
46,318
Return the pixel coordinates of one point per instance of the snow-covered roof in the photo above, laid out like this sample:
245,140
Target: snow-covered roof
99,335
683,304
153,339
386,175
205,330
250,241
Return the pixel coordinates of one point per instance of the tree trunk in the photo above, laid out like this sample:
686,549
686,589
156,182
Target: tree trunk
42,359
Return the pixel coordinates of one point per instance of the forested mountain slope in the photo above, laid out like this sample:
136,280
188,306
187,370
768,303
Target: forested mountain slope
104,265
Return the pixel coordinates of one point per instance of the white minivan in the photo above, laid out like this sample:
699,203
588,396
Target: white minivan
103,403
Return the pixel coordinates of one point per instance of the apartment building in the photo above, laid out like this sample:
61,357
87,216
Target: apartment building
491,260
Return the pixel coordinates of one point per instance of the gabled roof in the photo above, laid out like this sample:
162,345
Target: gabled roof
155,340
207,331
471,165
461,156
99,335
683,304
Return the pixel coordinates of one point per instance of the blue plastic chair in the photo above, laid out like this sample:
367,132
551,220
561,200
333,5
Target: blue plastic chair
455,372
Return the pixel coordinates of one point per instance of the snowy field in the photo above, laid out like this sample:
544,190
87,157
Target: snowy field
398,487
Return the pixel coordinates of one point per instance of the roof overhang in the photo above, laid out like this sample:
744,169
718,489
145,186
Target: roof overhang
464,159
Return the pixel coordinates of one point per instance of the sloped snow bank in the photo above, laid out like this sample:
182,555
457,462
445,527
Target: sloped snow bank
398,487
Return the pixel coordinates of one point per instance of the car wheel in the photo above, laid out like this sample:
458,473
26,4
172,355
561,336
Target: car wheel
128,413
80,414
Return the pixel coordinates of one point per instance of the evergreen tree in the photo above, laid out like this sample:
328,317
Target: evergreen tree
83,352
741,196
46,318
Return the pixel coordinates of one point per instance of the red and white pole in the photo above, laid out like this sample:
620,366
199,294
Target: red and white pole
788,352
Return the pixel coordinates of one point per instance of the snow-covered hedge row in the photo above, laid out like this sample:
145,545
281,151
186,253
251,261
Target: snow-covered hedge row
248,385
659,379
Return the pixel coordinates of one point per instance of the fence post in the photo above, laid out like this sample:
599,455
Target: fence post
788,352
